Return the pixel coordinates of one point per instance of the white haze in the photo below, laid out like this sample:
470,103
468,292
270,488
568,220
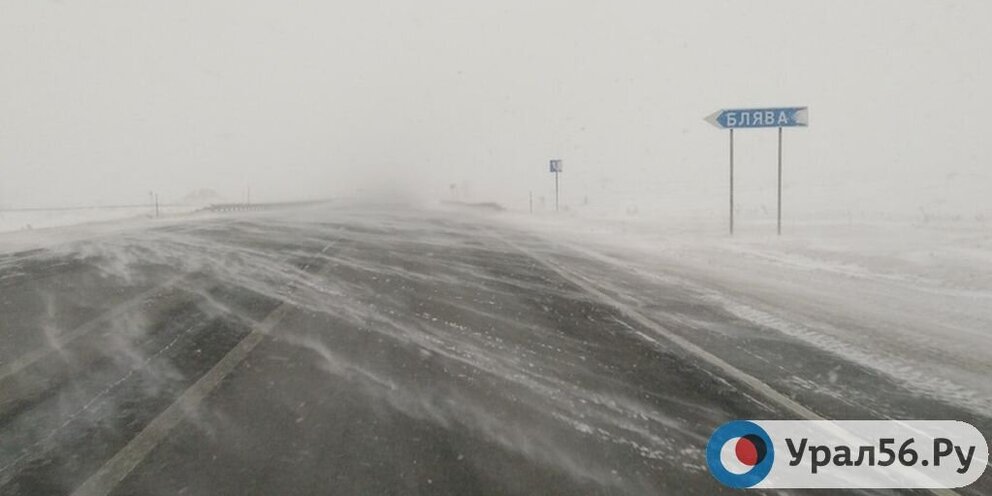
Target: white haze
104,101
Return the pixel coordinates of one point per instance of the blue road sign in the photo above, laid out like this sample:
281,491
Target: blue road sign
760,117
555,166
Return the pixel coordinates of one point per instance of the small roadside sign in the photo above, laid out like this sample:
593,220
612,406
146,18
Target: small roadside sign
555,167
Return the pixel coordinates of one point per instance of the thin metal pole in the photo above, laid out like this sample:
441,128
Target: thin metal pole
556,191
731,182
779,181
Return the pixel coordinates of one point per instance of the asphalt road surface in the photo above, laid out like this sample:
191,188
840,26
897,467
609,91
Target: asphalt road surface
382,350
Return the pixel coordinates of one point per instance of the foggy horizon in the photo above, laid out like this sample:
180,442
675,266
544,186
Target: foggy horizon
103,103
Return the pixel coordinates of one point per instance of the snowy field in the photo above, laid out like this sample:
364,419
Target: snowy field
26,229
911,300
29,220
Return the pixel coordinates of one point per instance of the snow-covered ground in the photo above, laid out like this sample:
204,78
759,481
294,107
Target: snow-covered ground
25,229
28,220
911,300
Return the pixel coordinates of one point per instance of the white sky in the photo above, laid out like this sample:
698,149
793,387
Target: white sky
102,101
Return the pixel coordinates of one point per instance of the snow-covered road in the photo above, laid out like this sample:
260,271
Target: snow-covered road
379,349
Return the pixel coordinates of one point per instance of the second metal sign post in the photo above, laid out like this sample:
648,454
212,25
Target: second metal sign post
556,168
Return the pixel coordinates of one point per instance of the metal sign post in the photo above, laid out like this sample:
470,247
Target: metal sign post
731,182
779,224
556,168
753,118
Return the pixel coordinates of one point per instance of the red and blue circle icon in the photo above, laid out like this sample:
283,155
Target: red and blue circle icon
740,454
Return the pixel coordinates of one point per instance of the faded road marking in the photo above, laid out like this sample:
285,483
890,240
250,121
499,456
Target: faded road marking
104,480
